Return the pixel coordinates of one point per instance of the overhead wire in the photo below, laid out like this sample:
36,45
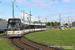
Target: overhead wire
11,6
5,4
17,6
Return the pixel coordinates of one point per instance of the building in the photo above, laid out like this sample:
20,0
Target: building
3,24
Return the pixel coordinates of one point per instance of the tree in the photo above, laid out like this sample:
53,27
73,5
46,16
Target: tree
66,24
48,24
39,21
35,21
58,23
52,24
2,19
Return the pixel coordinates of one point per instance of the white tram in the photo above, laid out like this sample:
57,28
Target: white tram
18,27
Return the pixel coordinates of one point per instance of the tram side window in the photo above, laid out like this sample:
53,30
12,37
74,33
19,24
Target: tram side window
31,26
26,26
37,26
22,26
43,26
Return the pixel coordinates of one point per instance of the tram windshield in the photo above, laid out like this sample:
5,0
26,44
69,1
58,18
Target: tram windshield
13,24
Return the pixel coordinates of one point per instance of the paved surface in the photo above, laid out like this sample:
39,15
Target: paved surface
3,37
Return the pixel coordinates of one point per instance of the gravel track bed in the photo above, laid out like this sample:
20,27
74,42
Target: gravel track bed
18,42
37,45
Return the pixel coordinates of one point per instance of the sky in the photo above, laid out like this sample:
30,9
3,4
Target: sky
49,9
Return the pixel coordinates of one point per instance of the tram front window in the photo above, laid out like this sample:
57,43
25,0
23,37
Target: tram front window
13,25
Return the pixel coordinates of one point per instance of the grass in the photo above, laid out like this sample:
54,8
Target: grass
4,45
3,34
55,38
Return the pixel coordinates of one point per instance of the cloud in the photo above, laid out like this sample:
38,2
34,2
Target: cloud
19,1
66,0
1,12
51,15
9,0
53,8
65,19
62,14
67,13
37,3
48,4
45,5
73,0
56,1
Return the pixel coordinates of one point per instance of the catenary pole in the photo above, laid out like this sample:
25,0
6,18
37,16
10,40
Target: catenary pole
23,15
46,23
12,8
68,23
38,18
30,16
60,20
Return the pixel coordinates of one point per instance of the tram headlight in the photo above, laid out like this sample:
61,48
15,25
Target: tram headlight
18,32
8,32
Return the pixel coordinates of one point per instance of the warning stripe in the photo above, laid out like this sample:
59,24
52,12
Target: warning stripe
13,32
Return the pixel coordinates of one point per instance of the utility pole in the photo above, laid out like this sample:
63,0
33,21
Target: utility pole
23,15
64,24
54,24
68,23
46,22
51,23
30,16
38,18
60,21
71,22
12,8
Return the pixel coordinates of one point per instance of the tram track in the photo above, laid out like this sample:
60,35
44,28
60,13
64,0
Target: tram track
26,44
21,48
23,45
30,45
37,45
43,45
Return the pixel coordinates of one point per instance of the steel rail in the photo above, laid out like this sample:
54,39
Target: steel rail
17,45
43,44
30,45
